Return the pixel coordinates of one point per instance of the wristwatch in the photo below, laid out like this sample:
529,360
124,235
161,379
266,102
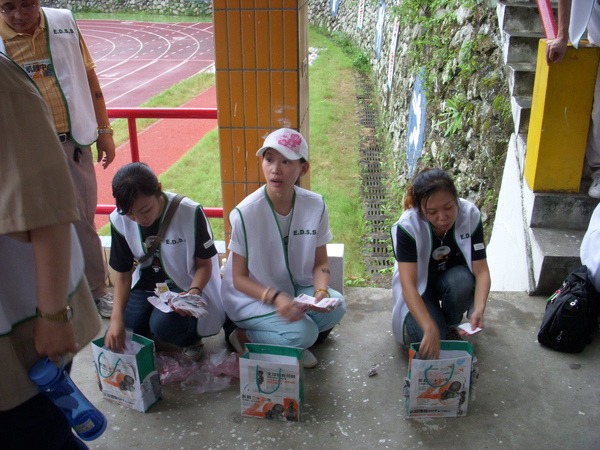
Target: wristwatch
105,129
63,316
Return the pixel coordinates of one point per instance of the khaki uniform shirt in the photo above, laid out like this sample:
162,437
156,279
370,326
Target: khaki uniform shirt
35,191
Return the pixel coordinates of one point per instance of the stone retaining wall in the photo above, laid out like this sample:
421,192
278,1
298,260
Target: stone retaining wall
476,103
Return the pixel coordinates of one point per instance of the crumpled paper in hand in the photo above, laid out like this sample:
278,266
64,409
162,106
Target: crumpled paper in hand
326,303
169,301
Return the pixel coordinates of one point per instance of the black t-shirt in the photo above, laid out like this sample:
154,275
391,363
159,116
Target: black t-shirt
445,252
121,256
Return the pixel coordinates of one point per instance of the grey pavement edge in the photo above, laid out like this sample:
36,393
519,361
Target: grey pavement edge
527,396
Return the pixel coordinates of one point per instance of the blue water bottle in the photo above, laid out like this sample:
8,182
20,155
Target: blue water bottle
55,382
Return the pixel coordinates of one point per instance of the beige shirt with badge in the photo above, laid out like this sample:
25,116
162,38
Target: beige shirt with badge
31,52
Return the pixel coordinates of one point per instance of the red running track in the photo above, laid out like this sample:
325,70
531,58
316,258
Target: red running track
138,60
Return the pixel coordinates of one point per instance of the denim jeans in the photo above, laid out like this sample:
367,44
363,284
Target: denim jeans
447,297
143,318
275,330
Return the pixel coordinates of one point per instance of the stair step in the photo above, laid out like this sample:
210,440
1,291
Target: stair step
521,78
519,16
554,254
560,210
521,111
521,46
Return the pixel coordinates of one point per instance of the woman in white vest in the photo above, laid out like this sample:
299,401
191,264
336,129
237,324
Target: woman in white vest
278,251
186,260
441,270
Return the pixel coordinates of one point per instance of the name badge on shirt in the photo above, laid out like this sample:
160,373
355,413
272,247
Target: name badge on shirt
39,69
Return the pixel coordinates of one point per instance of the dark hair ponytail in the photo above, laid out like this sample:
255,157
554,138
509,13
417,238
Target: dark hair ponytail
426,183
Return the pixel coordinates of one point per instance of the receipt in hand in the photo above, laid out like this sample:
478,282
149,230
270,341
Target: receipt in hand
166,301
326,303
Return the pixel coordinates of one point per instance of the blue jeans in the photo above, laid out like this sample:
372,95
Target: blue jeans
275,330
143,318
447,297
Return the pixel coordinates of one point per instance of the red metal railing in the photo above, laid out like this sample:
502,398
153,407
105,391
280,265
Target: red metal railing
547,18
132,114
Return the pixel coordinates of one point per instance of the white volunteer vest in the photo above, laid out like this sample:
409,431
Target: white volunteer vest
584,14
267,260
62,35
177,257
467,220
69,67
18,280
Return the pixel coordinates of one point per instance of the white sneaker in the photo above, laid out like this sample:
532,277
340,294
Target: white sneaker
595,189
104,304
194,351
310,361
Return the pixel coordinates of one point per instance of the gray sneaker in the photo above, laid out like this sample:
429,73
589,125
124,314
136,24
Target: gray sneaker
194,351
105,305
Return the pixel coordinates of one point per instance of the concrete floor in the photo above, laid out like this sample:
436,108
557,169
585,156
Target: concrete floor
528,397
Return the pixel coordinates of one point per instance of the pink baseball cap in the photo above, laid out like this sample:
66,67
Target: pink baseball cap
288,142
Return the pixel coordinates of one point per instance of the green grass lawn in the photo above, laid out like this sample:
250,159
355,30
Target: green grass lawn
333,141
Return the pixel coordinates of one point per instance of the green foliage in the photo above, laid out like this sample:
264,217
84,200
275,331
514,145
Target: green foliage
467,63
453,114
357,282
502,105
361,62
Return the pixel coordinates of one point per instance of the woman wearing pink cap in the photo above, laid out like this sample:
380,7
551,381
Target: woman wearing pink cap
277,252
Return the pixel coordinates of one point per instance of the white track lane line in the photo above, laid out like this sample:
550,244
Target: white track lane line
144,30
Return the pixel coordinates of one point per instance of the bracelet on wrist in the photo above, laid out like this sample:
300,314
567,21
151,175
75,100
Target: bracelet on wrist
197,288
322,290
274,297
263,297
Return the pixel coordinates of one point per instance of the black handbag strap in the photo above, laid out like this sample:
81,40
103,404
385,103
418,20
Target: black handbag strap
162,229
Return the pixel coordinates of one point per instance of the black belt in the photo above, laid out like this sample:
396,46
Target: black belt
64,137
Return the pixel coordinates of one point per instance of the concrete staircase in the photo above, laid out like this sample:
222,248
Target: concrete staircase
553,224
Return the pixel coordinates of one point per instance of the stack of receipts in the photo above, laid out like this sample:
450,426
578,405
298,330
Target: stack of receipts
326,303
168,301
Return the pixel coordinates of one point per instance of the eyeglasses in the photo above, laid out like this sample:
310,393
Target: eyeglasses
11,8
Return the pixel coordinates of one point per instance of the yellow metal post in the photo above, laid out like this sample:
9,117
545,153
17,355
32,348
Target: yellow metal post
560,116
261,59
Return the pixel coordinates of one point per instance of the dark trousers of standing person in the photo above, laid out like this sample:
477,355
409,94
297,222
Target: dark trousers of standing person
37,424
